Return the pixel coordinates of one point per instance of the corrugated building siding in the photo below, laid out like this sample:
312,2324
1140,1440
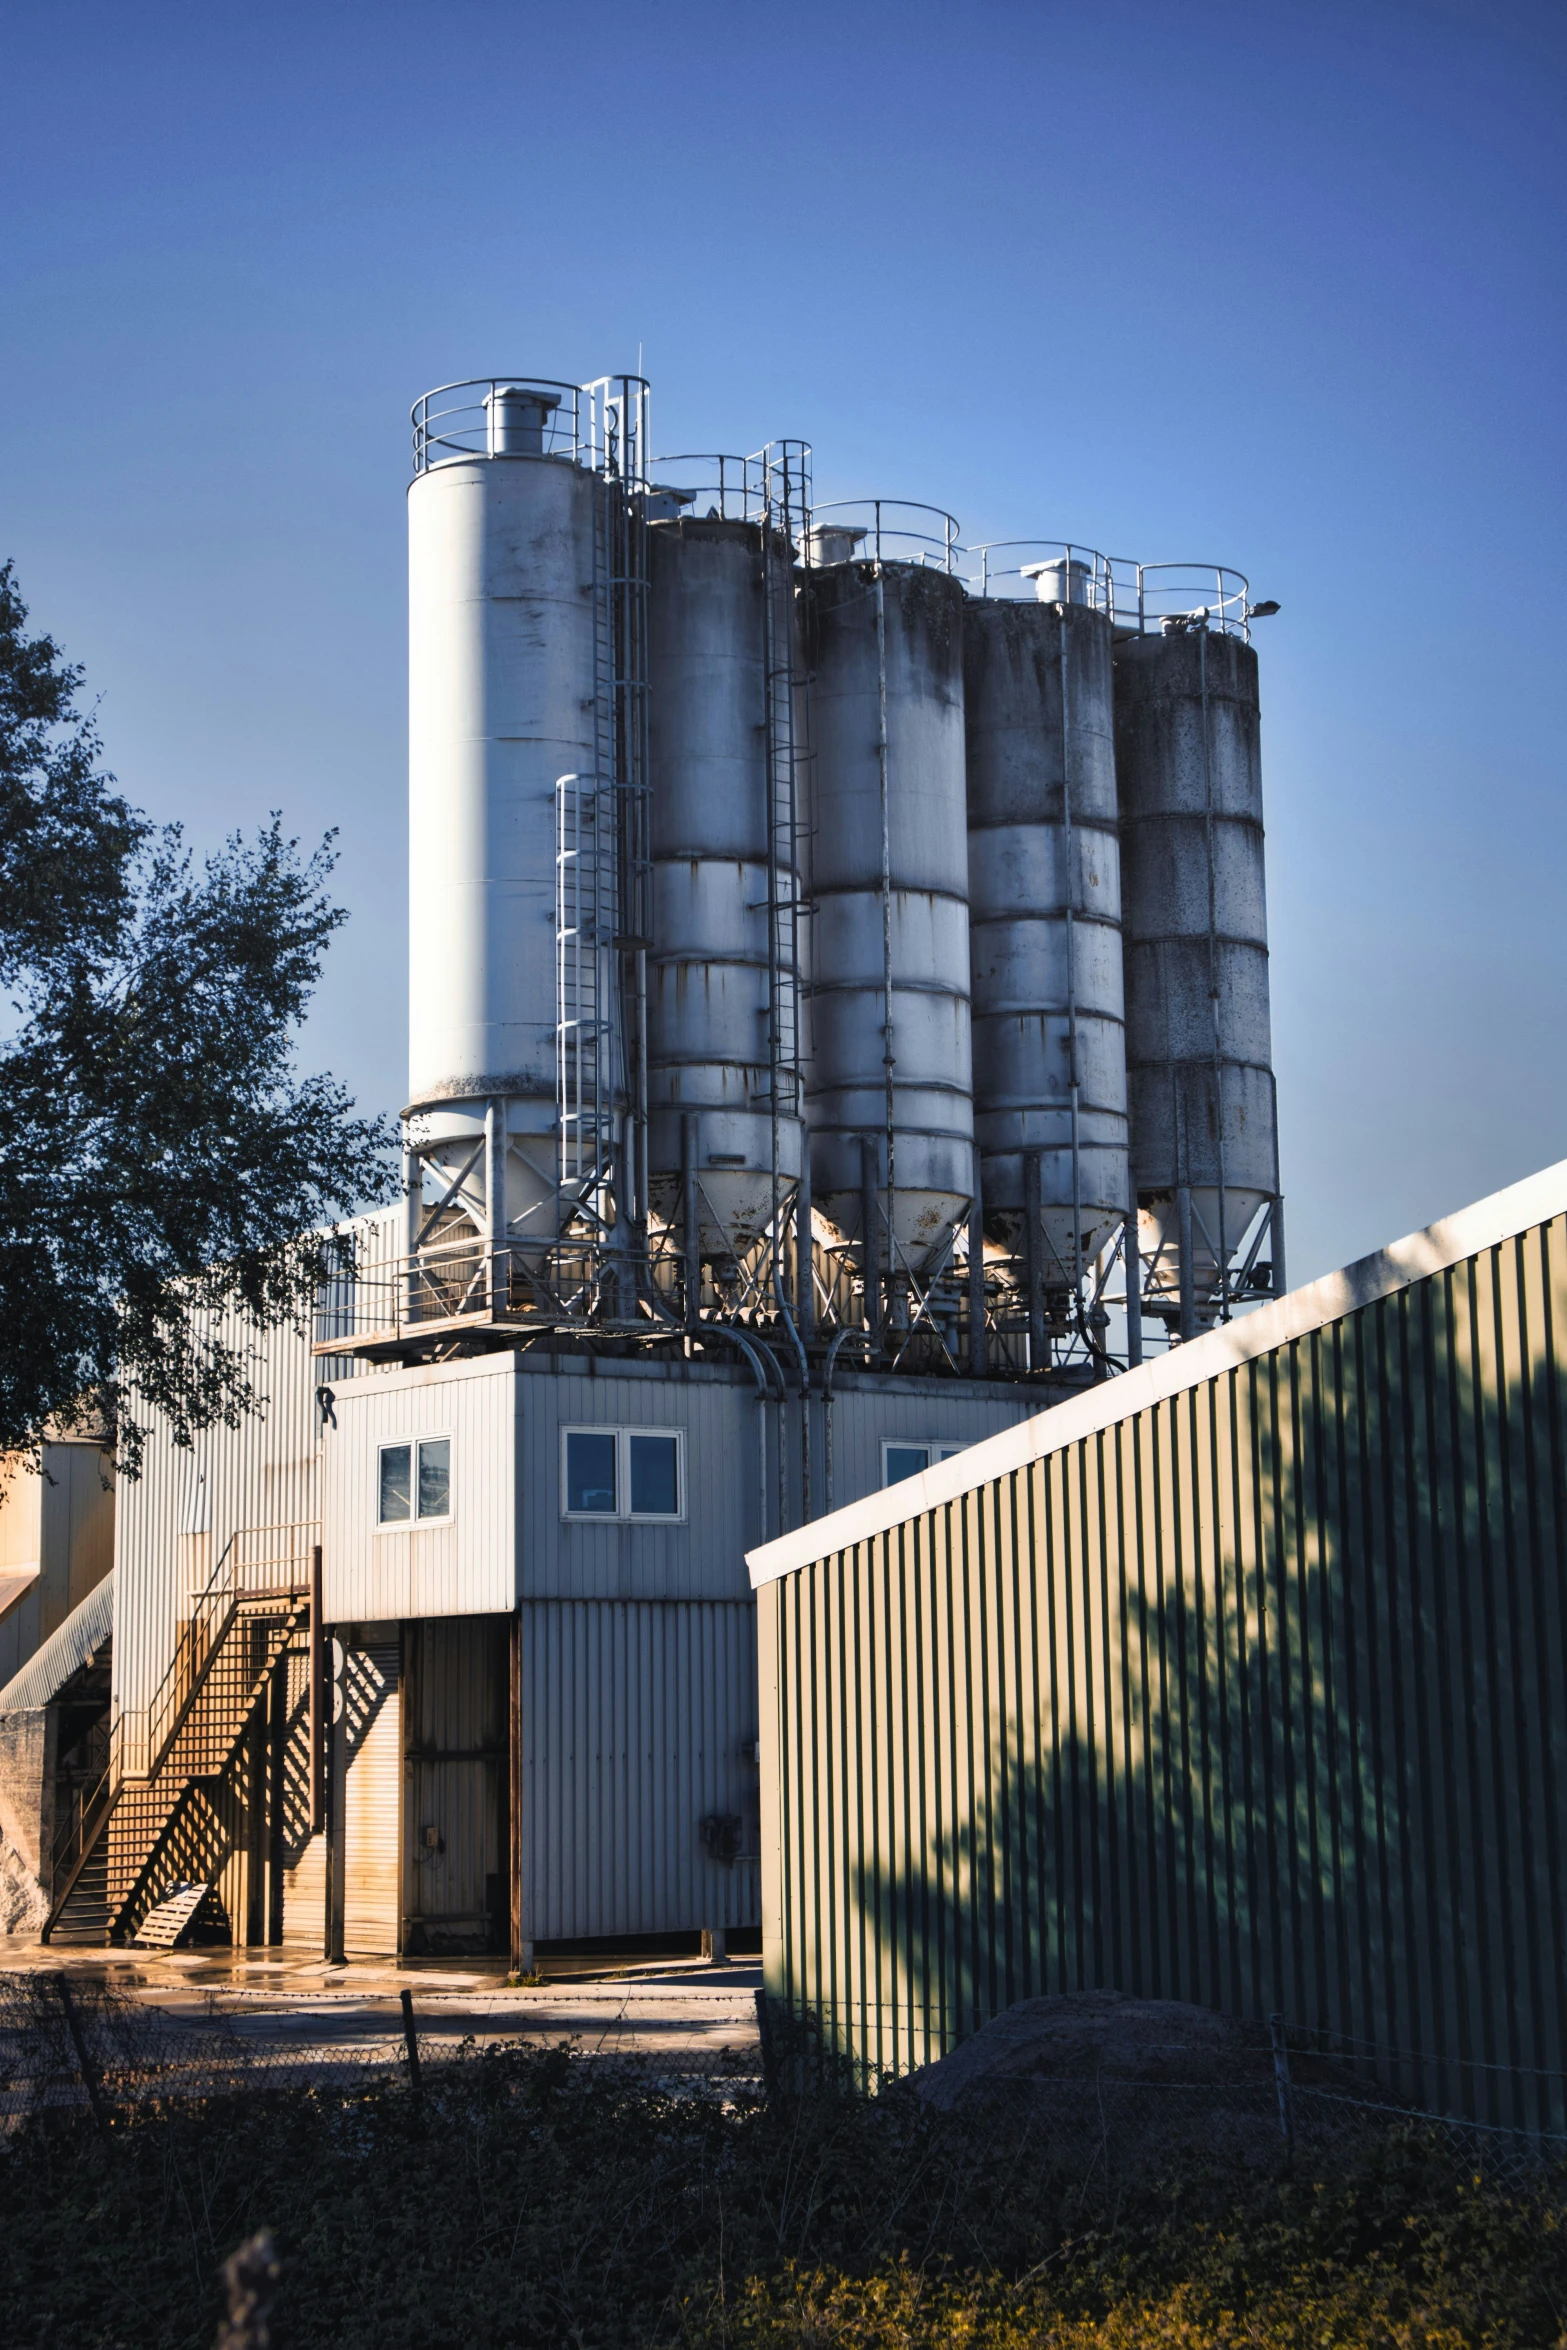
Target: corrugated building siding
637,1719
173,1521
59,1521
371,1731
462,1567
1252,1697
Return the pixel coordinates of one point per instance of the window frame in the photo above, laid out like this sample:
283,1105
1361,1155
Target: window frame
622,1431
935,1449
413,1523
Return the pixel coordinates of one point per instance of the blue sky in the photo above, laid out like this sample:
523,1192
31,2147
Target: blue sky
1280,286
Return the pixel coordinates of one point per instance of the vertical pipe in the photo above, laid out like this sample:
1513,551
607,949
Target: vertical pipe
804,1259
318,1715
1033,1240
276,1789
1183,1212
495,1201
1276,1219
1070,879
870,1239
514,1789
888,1057
691,1236
337,1810
1131,1257
255,1926
978,1349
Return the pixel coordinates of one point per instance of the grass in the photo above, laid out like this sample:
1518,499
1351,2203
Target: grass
540,2200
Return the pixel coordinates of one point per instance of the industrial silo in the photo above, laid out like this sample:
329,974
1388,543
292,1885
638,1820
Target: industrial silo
1045,926
516,567
889,1095
723,979
1198,1046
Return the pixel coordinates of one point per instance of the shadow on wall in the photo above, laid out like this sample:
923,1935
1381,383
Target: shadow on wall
1268,1718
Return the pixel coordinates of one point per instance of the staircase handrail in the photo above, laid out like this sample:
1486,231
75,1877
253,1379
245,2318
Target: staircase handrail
226,1587
232,1580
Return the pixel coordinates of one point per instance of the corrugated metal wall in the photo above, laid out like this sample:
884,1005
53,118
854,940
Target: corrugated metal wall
464,1567
370,1729
174,1519
1253,1697
638,1722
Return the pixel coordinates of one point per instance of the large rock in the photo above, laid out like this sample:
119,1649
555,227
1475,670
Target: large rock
23,1908
1114,2089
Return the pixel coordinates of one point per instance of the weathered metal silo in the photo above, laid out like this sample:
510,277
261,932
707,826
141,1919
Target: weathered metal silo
724,1108
889,1095
516,567
1045,922
1204,1136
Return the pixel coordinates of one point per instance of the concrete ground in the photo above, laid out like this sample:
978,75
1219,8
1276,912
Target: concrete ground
287,2000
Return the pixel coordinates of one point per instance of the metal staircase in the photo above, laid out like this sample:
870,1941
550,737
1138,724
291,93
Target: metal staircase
158,1817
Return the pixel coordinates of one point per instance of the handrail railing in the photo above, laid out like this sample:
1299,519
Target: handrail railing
248,1568
601,425
255,1561
885,538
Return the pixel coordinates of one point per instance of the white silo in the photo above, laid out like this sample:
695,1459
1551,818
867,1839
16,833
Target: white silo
724,1128
1204,1138
516,580
1045,919
889,1094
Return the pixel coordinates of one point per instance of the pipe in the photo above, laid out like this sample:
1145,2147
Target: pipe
804,1253
1033,1269
870,1251
692,1235
1132,1260
1183,1214
1276,1219
978,1348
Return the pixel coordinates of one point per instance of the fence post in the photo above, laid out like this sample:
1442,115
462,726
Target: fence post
411,2038
90,2082
1281,2082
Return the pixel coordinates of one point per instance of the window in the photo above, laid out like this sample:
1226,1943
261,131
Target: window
416,1482
623,1473
900,1460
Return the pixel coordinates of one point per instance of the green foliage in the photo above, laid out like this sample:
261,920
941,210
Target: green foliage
535,2200
159,1154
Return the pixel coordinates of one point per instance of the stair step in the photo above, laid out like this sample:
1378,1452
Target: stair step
166,1926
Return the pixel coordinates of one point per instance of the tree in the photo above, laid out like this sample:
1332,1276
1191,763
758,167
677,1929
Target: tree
161,1160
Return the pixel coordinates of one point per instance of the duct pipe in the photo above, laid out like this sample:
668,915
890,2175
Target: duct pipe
1132,1259
1183,1227
978,1351
691,1237
870,1252
1033,1240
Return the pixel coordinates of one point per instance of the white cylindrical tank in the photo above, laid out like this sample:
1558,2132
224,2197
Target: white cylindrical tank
710,1014
1198,1037
889,968
502,687
1045,922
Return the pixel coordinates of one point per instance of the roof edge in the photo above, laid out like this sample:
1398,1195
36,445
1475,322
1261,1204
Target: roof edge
1501,1216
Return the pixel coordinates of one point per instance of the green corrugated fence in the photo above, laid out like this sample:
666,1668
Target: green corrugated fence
1241,1682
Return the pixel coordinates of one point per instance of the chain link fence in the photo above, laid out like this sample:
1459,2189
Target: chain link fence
72,2043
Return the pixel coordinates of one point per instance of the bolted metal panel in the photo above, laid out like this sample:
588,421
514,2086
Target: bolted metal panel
1247,1694
638,1724
1045,922
889,983
1198,1035
503,691
709,1011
